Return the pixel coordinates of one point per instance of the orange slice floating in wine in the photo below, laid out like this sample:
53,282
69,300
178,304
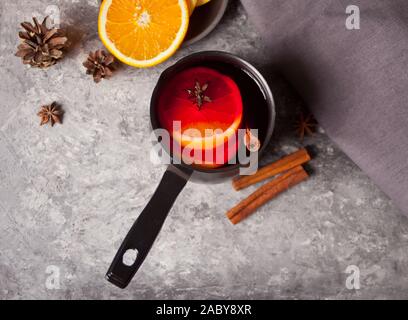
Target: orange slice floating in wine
208,106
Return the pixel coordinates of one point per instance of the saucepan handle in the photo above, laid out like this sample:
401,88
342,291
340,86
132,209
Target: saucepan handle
144,231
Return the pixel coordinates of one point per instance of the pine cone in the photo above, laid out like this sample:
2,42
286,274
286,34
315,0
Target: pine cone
99,64
41,47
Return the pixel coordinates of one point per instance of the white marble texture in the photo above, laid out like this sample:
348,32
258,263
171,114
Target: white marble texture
69,194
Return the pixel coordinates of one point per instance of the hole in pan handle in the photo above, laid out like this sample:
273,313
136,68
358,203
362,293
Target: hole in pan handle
144,231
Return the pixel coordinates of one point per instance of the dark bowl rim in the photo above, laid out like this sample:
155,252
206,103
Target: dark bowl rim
216,20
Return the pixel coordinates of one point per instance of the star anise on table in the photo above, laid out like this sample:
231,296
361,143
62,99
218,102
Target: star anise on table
100,65
50,114
306,125
197,94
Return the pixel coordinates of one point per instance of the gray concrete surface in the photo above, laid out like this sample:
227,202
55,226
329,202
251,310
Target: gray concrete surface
69,194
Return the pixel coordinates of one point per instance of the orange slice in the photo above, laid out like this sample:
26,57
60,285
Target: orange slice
143,33
202,2
208,129
191,5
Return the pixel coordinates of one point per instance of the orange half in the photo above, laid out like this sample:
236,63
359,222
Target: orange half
143,33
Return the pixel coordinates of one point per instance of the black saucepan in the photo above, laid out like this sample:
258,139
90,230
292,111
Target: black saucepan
144,231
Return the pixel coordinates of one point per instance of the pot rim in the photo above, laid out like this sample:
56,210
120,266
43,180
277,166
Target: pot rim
247,67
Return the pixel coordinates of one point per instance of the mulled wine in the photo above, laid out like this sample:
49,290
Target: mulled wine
205,105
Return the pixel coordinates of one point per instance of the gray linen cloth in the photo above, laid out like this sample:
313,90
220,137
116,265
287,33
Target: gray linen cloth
354,81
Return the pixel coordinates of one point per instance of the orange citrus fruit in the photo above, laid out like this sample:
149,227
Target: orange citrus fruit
210,127
191,5
143,33
202,2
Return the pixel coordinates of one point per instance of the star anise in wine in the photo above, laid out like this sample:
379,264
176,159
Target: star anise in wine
306,125
197,94
50,113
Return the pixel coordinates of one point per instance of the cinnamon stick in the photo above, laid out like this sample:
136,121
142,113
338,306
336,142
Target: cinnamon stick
291,161
266,193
